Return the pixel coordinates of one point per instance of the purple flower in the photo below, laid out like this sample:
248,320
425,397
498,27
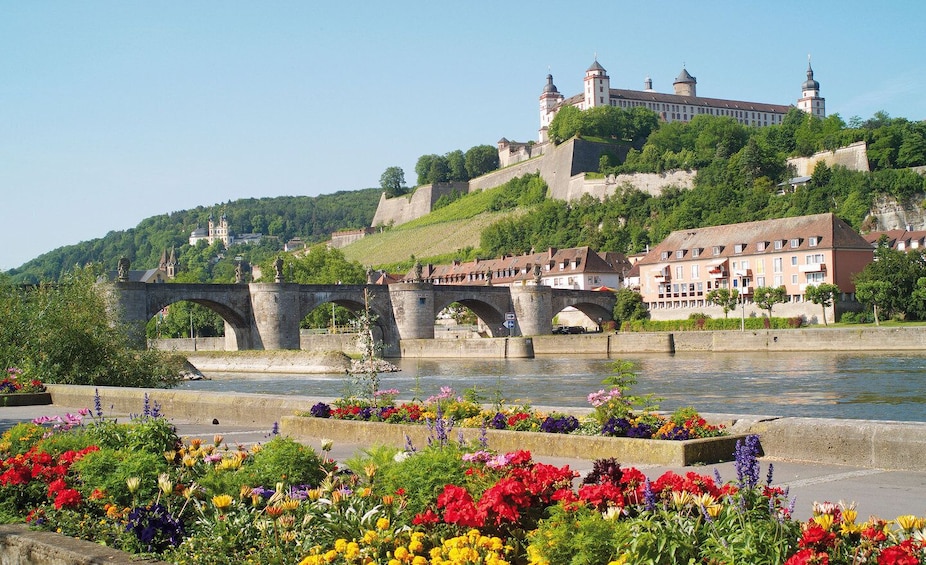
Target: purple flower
320,410
559,424
747,463
498,422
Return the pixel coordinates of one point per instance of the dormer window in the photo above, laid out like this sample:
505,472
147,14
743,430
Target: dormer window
795,242
739,247
760,246
813,241
717,250
665,255
696,252
779,243
680,254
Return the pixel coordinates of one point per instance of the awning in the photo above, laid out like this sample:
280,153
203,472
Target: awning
604,289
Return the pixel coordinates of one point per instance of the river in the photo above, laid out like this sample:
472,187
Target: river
868,386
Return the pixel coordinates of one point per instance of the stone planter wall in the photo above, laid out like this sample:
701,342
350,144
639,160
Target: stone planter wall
25,399
625,450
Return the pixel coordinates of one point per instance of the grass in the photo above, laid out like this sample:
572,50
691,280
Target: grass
425,239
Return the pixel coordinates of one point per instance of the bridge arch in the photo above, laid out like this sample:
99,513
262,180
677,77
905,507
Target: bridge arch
489,304
595,305
351,298
229,303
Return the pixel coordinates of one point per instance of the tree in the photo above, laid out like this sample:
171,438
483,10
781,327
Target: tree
873,293
423,168
457,163
392,182
629,307
726,298
480,159
766,296
823,294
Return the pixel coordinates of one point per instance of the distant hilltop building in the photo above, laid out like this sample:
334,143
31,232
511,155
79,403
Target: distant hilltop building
218,231
681,106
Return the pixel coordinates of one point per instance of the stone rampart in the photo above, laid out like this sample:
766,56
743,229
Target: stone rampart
405,208
486,348
853,157
651,183
889,214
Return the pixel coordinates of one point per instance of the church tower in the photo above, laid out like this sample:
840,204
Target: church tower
171,266
685,84
550,101
810,100
597,87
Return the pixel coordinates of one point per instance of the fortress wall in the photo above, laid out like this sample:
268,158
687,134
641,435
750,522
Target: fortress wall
501,176
853,157
651,183
408,207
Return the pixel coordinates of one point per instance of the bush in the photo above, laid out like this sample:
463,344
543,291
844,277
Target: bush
108,469
857,318
422,475
151,435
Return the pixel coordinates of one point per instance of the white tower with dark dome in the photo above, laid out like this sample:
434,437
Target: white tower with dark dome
810,100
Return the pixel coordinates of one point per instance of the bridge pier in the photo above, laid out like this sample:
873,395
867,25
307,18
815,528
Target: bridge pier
533,307
413,307
276,315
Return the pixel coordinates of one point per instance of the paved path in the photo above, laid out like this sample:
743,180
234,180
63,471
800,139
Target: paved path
886,494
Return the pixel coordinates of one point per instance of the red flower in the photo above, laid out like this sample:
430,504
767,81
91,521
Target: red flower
874,534
808,557
815,535
459,508
600,496
901,554
67,498
55,487
426,518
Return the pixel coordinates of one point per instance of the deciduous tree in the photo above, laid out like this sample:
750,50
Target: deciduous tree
725,298
766,297
823,294
392,182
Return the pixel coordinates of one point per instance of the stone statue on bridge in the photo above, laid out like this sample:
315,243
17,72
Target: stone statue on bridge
239,274
538,275
278,267
418,270
488,277
122,272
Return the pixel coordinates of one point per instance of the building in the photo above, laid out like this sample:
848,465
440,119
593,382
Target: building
681,105
898,240
577,268
677,274
219,231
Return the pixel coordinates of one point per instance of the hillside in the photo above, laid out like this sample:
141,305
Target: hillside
311,218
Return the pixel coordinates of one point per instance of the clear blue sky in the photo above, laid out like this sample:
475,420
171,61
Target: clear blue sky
111,112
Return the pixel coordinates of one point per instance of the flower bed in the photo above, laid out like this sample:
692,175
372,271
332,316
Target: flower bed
138,487
17,389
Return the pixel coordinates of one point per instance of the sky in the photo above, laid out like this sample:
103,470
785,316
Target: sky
112,112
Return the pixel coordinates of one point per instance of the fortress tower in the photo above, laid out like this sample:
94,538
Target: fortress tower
811,101
685,84
550,100
597,87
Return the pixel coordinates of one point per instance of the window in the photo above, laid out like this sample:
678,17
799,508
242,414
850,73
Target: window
718,249
776,264
760,246
665,255
679,272
779,280
680,254
793,279
816,278
779,243
760,281
739,247
813,241
795,242
694,272
696,252
814,259
793,260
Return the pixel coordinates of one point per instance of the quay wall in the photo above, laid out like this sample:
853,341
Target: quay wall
864,443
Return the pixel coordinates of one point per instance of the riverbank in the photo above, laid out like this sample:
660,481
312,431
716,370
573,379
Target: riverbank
911,338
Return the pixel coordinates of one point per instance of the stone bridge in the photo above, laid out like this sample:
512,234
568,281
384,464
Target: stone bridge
267,315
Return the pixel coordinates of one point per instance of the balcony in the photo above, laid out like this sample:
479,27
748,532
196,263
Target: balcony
742,273
812,268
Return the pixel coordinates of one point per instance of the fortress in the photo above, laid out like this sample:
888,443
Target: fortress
564,166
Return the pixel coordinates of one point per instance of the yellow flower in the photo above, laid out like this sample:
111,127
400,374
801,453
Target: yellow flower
714,510
370,537
165,484
419,560
849,515
222,501
907,522
825,521
415,546
189,460
170,455
340,545
401,553
382,524
352,551
133,483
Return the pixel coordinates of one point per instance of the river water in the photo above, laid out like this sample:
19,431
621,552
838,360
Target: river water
868,386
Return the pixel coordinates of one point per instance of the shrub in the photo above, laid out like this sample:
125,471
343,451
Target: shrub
422,475
283,459
108,469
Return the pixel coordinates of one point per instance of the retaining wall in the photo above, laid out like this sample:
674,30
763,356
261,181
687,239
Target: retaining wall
21,546
862,443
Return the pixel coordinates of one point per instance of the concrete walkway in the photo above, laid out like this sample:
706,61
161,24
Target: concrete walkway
882,493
